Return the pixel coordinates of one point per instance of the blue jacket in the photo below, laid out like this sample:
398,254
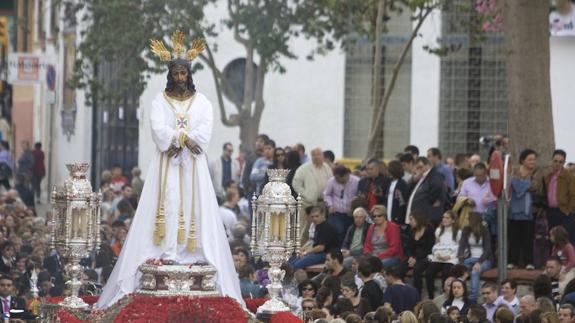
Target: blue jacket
521,200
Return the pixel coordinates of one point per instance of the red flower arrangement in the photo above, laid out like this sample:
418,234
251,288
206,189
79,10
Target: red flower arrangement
65,316
284,317
253,303
86,298
181,309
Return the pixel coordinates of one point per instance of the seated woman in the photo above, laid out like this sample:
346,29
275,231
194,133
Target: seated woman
444,252
419,248
457,297
562,248
475,251
383,238
355,237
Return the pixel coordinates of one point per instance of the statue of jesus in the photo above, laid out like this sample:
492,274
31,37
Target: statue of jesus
177,216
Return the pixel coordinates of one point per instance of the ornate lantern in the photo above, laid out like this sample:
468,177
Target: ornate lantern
75,225
275,232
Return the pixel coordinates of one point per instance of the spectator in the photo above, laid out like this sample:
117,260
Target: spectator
329,158
383,238
420,244
407,317
546,305
526,306
224,170
474,160
428,194
308,304
425,309
25,193
5,165
310,181
371,290
566,312
435,158
137,182
549,317
38,170
457,297
120,237
439,300
373,187
475,251
307,290
241,258
563,249
118,180
453,313
542,287
26,161
560,190
350,291
504,315
526,191
292,163
7,259
248,284
508,296
250,159
489,295
444,253
8,299
300,149
412,150
553,270
324,239
324,299
261,165
478,189
337,195
354,240
476,314
399,295
407,164
336,274
398,194
226,210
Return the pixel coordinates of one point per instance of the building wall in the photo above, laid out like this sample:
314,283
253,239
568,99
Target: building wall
562,71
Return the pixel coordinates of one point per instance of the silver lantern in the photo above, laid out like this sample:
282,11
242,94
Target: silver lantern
75,226
275,232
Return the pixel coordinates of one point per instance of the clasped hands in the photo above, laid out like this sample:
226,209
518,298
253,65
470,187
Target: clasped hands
185,142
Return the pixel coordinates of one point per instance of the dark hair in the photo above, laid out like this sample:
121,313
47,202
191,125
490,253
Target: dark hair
440,318
406,158
351,285
307,282
478,311
6,277
321,296
435,152
480,166
511,283
557,259
314,209
6,245
459,158
412,150
299,145
343,305
393,271
376,265
38,145
463,173
329,155
292,160
525,153
542,286
395,169
421,219
427,308
335,253
275,158
451,297
364,268
125,186
270,143
245,271
226,144
476,225
341,170
490,285
373,161
560,152
6,144
171,84
454,227
535,316
422,160
560,235
451,309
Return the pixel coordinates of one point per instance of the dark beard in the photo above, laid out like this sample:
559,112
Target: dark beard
181,86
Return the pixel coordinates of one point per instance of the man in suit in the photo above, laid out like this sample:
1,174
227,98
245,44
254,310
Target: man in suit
373,187
429,194
7,301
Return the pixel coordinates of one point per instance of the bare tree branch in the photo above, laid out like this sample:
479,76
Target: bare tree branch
395,73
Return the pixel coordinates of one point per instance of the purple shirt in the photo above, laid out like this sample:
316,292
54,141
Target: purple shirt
479,193
340,195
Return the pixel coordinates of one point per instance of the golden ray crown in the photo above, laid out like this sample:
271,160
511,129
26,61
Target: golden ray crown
178,38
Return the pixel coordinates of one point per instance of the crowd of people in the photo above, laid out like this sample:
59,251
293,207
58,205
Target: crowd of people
407,239
427,220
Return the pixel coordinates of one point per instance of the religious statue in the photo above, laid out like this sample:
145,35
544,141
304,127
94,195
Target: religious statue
177,216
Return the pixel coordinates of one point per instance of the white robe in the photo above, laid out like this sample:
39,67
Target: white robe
212,245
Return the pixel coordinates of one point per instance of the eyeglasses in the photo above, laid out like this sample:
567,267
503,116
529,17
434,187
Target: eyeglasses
378,215
307,308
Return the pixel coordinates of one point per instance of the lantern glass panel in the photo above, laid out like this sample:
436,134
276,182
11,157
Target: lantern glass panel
79,223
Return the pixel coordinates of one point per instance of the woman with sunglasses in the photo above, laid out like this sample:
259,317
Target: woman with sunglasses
307,290
383,238
279,160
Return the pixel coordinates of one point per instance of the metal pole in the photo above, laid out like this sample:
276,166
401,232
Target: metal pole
50,150
501,238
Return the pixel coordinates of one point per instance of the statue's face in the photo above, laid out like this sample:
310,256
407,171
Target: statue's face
180,76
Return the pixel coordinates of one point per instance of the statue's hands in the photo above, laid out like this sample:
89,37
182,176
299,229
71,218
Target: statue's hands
193,146
174,151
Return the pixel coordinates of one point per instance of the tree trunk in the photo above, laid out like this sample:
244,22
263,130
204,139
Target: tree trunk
377,150
530,121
